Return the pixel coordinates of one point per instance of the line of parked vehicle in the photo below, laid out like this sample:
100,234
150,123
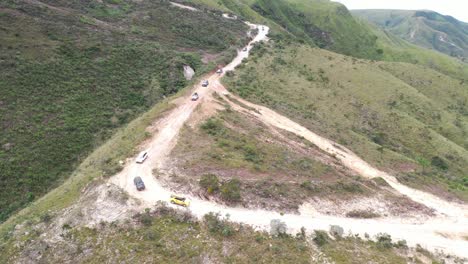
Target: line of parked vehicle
138,181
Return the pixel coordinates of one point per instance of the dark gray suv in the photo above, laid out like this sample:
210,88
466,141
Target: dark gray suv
140,185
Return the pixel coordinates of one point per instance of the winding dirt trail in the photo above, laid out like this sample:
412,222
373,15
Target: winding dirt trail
346,157
445,232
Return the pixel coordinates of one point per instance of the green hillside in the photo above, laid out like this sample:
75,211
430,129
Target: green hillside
72,72
414,125
423,28
327,24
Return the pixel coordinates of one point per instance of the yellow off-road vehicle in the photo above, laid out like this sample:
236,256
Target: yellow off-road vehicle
179,201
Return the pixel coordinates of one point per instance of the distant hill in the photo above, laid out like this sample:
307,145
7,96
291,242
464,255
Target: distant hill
424,28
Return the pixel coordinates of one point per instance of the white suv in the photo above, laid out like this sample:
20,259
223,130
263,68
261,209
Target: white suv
142,157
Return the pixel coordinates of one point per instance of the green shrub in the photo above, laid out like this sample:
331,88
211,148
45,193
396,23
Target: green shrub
210,183
361,214
401,244
438,162
145,218
309,186
46,218
380,182
351,187
230,191
252,154
213,126
384,241
320,238
216,225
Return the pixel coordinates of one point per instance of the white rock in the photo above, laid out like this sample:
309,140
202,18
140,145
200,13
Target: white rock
188,72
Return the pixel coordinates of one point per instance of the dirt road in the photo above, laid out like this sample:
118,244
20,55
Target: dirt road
346,157
444,232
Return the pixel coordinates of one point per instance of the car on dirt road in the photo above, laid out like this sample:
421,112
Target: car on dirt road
244,49
195,97
179,201
140,185
142,157
205,83
219,71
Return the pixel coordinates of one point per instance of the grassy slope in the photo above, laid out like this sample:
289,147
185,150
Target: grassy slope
275,172
73,72
370,107
422,28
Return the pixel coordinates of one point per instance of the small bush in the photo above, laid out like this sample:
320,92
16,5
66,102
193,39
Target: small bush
320,238
308,186
230,73
259,238
279,61
347,187
146,219
213,126
438,162
210,183
161,209
216,225
384,240
252,154
361,214
230,191
380,182
152,235
46,218
379,138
